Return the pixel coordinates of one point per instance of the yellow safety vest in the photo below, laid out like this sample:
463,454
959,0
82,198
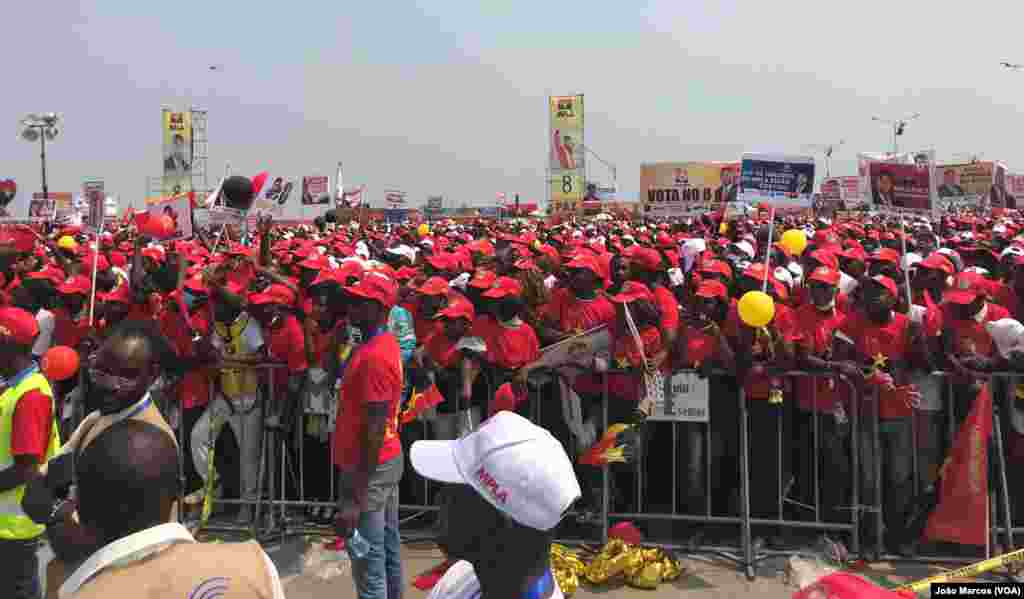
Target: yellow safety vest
14,524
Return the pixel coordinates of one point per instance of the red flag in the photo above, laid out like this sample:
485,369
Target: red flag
420,402
428,579
961,515
258,181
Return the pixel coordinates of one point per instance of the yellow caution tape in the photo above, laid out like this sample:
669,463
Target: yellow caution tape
971,571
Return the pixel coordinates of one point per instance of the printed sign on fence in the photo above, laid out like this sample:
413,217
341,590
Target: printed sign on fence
686,399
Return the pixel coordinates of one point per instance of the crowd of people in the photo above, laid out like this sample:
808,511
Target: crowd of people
364,319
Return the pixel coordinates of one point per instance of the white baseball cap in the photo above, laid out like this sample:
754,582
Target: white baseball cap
517,466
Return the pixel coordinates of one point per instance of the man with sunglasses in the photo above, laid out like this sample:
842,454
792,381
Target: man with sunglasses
118,378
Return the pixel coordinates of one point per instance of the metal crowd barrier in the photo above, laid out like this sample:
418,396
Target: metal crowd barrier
281,462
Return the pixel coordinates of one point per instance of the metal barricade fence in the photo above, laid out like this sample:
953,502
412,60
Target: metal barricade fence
281,475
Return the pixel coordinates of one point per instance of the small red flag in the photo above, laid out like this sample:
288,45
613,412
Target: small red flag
420,402
961,515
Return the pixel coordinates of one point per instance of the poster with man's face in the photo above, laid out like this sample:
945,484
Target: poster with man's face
177,152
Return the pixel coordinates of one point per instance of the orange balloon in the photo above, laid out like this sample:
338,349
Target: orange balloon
60,363
160,227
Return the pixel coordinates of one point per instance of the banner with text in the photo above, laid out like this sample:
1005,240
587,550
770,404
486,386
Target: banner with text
965,185
314,191
678,188
566,156
782,181
94,197
177,152
896,187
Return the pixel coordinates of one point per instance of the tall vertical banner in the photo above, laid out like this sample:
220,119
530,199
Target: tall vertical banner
177,152
314,190
678,188
898,187
566,156
8,193
779,180
95,198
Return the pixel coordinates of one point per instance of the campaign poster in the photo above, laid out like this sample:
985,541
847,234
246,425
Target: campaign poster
95,197
8,193
177,152
314,191
896,187
43,208
394,197
566,153
179,210
1015,185
967,185
779,180
677,188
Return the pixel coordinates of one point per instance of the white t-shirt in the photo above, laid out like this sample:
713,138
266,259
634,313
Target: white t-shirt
460,582
45,320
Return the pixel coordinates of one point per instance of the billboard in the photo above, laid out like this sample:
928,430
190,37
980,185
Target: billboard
394,197
314,190
896,187
1015,184
566,158
95,198
177,152
782,181
678,188
842,190
8,193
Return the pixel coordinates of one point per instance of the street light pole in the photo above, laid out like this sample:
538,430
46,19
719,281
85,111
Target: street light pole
898,126
41,127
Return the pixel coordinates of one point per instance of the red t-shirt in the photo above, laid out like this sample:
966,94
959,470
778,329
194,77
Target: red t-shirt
32,425
373,375
759,386
442,351
288,344
815,331
970,336
669,308
513,347
68,332
886,342
573,314
194,389
700,347
624,354
1006,296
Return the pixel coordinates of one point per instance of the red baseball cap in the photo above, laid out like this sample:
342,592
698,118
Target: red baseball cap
434,286
711,288
121,295
17,326
826,275
718,267
459,308
49,273
886,282
885,255
585,261
937,261
442,261
646,258
196,283
75,284
316,261
631,292
275,294
405,273
375,286
826,258
966,288
504,287
483,279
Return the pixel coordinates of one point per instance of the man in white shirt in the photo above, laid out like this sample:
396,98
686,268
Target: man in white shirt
511,483
141,552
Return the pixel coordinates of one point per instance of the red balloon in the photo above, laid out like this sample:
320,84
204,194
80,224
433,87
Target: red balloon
160,227
60,363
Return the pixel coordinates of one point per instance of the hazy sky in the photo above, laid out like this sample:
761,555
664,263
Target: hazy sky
449,97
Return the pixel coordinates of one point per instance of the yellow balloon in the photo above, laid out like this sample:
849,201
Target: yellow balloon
423,230
67,243
756,308
795,241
